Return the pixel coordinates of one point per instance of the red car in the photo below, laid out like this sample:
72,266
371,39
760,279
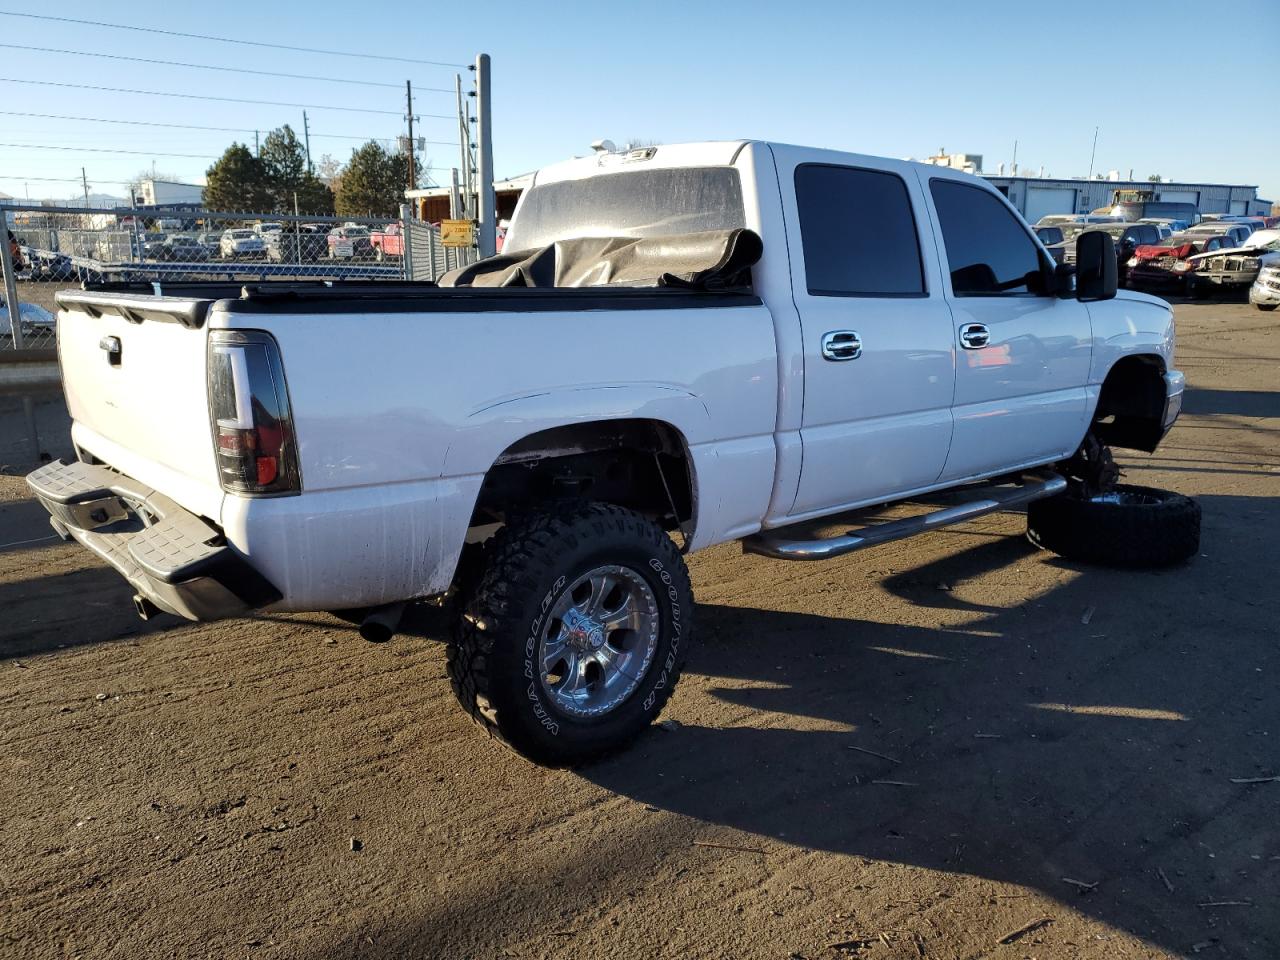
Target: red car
1166,264
388,242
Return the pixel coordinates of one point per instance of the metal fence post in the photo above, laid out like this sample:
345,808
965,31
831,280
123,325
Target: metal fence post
406,244
10,286
484,164
431,247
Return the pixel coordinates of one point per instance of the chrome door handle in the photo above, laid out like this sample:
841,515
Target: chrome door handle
841,345
974,336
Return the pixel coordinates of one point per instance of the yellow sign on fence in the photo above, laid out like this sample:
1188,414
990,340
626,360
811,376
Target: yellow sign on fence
457,233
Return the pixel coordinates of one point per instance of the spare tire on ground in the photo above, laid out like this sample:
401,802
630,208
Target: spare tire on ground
1129,526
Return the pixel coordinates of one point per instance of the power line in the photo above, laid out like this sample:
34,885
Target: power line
140,153
347,136
209,66
197,96
139,123
6,176
249,43
193,126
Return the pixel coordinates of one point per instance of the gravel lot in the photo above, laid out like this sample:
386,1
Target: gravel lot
952,747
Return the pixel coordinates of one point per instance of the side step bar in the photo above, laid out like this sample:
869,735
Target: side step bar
987,500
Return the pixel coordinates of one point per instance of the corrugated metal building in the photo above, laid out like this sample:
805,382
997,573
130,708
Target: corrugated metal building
1036,197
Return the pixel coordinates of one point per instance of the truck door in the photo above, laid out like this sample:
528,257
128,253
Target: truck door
879,362
1023,359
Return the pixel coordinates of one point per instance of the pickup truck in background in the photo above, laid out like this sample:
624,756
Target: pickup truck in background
387,242
680,346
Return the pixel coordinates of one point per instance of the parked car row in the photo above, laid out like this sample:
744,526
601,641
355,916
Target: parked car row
297,243
1217,254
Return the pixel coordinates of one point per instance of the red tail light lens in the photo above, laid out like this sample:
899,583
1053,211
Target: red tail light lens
252,424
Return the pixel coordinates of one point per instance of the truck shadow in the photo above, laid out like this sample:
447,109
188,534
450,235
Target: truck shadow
1025,747
72,609
1242,403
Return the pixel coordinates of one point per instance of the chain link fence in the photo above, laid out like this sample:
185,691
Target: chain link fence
60,248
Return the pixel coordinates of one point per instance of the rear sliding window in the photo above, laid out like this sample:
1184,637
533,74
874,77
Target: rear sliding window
636,203
858,233
989,250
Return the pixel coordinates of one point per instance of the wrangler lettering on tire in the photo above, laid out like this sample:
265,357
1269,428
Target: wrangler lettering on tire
573,638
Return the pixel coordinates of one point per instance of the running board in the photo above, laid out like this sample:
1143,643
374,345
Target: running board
989,499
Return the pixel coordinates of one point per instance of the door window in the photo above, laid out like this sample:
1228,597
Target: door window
989,250
858,233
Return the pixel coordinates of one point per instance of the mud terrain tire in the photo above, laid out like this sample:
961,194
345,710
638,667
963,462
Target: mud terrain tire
1130,526
495,664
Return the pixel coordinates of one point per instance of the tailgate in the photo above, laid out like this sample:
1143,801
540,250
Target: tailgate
134,372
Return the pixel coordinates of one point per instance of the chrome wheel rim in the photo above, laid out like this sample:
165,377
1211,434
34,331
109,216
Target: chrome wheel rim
598,641
1129,498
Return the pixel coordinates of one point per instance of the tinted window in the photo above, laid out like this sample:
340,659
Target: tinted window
858,233
988,248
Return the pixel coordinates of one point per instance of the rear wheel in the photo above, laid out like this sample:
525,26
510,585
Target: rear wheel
1128,526
573,637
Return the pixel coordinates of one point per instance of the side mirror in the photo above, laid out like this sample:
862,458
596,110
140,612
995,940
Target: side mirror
1095,266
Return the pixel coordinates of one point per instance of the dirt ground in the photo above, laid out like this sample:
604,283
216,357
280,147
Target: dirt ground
952,747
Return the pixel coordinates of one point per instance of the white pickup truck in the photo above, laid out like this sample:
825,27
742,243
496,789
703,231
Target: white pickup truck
682,346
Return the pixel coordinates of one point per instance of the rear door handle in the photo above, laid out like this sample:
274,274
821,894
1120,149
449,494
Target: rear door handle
974,336
841,345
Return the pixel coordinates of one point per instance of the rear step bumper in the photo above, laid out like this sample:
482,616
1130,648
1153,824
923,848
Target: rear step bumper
173,558
982,500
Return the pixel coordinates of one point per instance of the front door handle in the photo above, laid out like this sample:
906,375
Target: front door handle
841,345
974,336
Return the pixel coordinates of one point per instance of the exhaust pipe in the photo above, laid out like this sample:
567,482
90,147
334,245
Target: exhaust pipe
382,622
146,609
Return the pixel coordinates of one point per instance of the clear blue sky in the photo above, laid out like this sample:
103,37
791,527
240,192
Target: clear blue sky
1181,89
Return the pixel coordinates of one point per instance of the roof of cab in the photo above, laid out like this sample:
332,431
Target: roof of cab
714,153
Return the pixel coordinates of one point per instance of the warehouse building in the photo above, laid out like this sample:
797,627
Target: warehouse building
1036,197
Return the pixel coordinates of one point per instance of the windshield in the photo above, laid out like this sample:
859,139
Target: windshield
637,203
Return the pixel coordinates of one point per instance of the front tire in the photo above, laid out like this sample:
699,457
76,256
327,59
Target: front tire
1266,307
574,635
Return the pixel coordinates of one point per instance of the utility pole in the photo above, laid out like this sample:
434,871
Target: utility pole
413,174
257,147
464,148
1013,168
84,180
484,164
1093,153
306,137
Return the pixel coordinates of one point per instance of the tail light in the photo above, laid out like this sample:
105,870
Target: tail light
252,425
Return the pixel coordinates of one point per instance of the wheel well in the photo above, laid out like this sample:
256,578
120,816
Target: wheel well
1130,409
643,465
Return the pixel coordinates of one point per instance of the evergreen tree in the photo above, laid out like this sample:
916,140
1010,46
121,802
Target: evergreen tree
373,183
284,162
237,181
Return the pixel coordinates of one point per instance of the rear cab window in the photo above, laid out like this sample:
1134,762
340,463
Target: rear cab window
858,233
